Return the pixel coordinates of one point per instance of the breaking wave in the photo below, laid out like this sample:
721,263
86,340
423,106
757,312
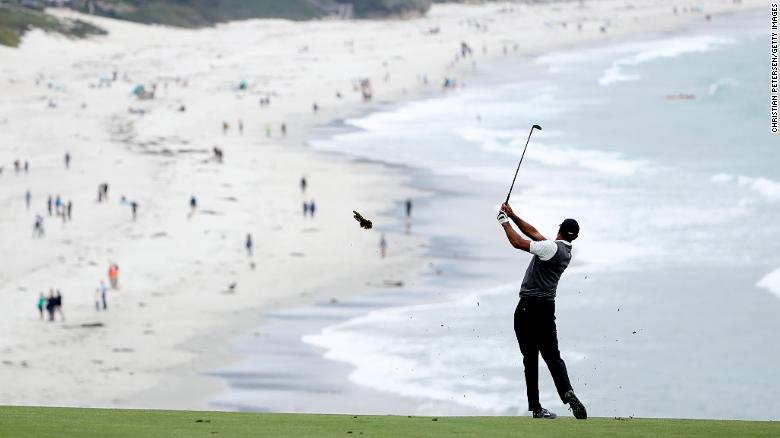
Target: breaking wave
767,188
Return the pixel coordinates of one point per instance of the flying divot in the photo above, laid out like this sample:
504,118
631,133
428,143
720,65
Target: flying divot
364,223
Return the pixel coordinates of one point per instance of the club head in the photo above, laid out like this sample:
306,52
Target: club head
537,127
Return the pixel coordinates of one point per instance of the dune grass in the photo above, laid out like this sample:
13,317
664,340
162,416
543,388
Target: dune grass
71,422
15,21
199,13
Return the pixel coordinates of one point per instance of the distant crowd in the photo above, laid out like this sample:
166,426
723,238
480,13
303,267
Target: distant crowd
52,304
57,206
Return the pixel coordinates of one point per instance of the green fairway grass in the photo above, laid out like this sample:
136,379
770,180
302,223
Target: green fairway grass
71,422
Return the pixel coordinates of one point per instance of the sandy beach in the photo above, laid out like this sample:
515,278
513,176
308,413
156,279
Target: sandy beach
186,282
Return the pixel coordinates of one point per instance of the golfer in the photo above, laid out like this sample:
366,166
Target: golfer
535,313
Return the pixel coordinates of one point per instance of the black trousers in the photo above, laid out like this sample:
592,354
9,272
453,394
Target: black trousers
536,333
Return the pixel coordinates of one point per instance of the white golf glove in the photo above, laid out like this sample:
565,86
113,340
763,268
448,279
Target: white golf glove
502,218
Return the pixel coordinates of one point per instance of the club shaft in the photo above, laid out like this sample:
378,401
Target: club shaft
518,165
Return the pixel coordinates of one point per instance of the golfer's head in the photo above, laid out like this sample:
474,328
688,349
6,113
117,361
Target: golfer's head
569,230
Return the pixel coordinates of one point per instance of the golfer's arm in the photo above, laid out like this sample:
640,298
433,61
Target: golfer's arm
516,239
527,228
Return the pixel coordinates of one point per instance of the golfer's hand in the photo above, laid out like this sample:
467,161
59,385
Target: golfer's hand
502,218
505,208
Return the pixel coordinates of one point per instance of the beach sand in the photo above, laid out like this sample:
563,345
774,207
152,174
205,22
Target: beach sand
175,309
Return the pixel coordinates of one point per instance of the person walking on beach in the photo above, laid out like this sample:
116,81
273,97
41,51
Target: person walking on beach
134,209
193,206
49,203
312,208
58,305
69,210
383,246
240,126
67,160
283,128
38,226
41,304
249,244
113,275
535,314
408,220
51,304
58,205
303,184
305,209
27,198
100,296
103,192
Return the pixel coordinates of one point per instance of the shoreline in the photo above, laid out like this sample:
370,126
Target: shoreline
196,359
420,179
195,379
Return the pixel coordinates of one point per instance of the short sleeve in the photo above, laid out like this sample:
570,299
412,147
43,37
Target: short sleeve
544,249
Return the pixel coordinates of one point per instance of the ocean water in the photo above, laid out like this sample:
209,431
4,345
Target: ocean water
660,147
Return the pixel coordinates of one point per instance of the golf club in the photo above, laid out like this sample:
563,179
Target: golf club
521,162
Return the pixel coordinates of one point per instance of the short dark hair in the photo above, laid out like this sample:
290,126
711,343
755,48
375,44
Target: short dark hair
569,229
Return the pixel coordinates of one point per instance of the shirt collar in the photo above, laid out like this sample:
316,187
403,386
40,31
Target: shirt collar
564,242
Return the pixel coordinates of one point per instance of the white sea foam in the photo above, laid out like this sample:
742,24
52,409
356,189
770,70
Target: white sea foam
631,54
654,50
614,74
460,108
767,188
612,163
771,282
407,114
402,350
492,174
513,141
718,85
